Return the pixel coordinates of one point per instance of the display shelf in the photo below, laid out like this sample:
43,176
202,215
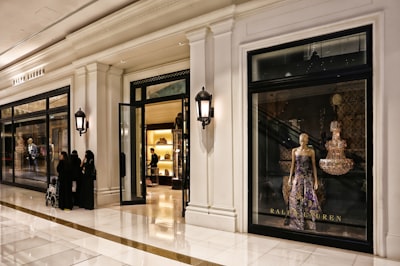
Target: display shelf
161,140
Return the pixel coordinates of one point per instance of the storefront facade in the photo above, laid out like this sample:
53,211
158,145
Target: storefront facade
227,156
321,87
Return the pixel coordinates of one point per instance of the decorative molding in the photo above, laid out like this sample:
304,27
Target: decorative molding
222,27
97,67
197,35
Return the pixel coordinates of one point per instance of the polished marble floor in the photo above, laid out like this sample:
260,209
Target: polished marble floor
32,233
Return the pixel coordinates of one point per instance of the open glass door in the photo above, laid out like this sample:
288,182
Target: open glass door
185,155
132,172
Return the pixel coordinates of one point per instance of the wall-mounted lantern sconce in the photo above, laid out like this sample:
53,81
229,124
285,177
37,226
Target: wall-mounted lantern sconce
203,106
81,123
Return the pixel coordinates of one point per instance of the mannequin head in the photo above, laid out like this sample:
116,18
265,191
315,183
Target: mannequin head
303,139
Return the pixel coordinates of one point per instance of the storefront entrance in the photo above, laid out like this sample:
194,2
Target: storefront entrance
154,140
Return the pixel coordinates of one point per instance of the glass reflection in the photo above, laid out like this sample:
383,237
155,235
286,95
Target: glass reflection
30,107
279,118
31,152
58,140
58,101
327,55
6,112
166,89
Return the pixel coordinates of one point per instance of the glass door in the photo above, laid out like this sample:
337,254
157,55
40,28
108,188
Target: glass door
185,155
132,171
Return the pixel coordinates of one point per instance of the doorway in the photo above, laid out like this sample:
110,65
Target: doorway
154,140
163,135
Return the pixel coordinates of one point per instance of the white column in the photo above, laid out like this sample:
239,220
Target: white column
96,112
222,209
197,211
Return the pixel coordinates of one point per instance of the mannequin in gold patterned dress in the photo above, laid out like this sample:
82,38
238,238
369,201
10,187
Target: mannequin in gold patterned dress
303,201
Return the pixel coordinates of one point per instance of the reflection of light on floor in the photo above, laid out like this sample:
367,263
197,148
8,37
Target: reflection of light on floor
165,204
162,229
164,236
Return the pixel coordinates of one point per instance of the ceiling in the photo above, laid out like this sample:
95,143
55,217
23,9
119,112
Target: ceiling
29,26
164,112
56,33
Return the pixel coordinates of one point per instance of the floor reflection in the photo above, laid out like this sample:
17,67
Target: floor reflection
149,234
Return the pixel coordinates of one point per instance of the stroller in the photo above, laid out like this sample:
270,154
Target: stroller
52,194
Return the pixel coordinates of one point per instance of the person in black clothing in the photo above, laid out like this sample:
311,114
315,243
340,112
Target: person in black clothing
88,176
64,182
76,176
153,164
154,159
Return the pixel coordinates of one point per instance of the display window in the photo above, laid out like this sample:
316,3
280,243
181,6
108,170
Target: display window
311,140
33,132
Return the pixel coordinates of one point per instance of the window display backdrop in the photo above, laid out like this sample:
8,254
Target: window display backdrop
309,169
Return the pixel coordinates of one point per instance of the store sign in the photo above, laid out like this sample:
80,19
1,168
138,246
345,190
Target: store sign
29,75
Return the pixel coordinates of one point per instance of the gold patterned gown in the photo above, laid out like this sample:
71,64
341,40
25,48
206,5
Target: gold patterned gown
303,201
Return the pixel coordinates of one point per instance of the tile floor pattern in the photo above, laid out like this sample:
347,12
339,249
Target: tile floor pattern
151,234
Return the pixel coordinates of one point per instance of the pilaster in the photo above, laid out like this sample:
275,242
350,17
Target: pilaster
110,191
197,211
222,207
97,137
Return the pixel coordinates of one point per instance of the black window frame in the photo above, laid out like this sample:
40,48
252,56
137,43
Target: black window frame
47,113
352,73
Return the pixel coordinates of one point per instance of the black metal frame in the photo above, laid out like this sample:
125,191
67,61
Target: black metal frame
47,112
143,84
358,72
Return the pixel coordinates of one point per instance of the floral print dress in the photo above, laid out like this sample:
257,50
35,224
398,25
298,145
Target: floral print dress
303,201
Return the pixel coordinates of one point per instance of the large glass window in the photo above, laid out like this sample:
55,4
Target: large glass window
31,138
310,154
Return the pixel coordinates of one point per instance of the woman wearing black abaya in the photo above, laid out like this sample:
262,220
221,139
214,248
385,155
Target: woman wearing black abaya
76,172
64,182
88,176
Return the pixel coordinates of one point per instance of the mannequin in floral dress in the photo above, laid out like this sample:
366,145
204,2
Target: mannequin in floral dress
303,201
